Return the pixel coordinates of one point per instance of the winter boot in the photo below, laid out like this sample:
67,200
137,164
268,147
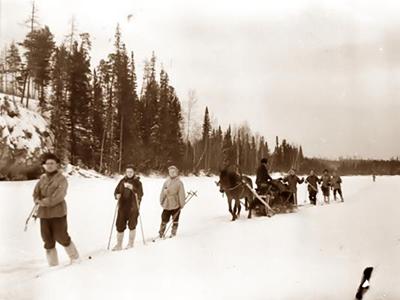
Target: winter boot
163,226
174,229
132,235
52,257
72,252
120,238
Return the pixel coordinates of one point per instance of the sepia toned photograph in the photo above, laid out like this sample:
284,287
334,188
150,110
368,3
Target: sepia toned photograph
215,149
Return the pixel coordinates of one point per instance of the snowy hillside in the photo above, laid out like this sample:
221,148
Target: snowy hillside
317,253
22,128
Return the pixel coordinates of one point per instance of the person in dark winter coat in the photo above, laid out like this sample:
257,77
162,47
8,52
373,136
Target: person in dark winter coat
312,181
337,186
263,177
129,193
292,179
172,200
326,184
49,196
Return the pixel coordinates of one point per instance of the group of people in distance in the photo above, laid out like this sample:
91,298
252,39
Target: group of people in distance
326,181
49,198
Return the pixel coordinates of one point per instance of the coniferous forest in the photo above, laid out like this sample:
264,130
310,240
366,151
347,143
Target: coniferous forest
99,117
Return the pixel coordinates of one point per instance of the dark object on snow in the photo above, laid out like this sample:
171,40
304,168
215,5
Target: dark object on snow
262,177
364,285
279,198
129,193
234,186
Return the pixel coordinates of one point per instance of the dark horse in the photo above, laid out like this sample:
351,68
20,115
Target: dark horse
234,186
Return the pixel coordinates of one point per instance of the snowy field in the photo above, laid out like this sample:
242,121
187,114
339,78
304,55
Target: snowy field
317,253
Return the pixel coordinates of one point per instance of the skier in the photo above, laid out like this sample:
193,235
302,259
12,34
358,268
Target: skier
312,181
128,193
292,179
49,196
326,184
336,186
263,177
373,177
172,199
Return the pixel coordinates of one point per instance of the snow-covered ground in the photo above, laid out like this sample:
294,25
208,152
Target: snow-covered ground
317,253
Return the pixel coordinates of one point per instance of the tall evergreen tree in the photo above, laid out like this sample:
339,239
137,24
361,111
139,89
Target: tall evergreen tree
175,147
228,149
97,116
150,114
206,139
80,96
14,68
59,102
39,45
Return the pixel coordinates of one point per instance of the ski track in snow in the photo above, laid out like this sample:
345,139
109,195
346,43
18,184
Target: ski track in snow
316,253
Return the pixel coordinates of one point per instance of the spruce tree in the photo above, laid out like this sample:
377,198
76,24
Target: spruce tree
205,139
175,146
97,113
80,95
59,103
150,115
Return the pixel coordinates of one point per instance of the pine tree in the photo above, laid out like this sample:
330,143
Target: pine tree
134,151
150,112
165,136
80,96
228,149
14,67
97,113
205,139
175,147
40,46
59,102
109,147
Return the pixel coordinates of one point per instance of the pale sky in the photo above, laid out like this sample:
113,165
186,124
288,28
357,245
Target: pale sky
324,74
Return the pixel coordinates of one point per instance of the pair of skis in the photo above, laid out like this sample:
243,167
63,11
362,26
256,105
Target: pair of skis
189,196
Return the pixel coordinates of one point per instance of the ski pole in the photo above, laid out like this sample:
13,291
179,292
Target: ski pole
35,207
140,220
112,226
188,197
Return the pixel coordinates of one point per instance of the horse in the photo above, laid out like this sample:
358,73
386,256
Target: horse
234,186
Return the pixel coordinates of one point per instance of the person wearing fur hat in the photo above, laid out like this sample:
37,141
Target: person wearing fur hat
49,196
263,177
128,193
172,200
